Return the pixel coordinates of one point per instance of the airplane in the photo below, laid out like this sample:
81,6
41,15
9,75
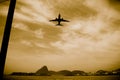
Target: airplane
59,19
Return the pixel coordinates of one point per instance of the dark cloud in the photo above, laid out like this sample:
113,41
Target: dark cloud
115,25
3,1
115,4
21,4
2,26
77,10
114,1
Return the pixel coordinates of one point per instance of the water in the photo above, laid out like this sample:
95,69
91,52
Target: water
61,77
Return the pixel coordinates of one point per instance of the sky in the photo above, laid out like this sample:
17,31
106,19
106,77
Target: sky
89,42
3,16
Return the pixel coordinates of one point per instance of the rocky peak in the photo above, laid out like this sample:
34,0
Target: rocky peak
42,71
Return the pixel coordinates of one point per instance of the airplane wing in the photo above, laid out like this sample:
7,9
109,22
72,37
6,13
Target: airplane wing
54,20
64,20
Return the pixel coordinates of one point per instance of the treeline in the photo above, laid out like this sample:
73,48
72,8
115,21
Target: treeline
22,74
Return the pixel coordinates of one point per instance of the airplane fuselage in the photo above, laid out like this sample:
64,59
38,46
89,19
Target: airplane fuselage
59,19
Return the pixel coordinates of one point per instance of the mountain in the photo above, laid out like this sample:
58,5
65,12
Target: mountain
42,71
65,73
116,72
53,72
79,73
103,72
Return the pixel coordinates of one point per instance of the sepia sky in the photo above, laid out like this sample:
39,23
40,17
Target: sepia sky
89,42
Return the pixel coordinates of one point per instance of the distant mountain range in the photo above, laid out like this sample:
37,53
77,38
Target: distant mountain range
45,72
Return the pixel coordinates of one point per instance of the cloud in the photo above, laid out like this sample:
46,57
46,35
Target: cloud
39,33
103,9
24,42
90,38
3,1
27,11
114,4
93,36
4,5
21,26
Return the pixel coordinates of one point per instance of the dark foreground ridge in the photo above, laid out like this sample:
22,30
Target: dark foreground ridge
45,72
